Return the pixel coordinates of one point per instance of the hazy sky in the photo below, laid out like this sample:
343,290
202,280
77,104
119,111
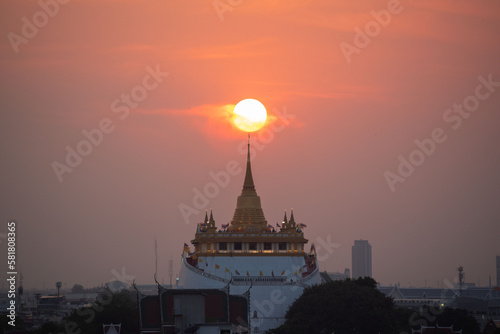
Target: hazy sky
350,86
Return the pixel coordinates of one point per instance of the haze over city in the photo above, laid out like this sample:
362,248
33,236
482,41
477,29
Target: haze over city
389,135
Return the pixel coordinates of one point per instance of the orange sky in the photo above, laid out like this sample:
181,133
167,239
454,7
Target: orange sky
347,122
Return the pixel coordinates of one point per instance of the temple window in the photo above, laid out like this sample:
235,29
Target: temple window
222,246
252,246
268,247
238,246
282,246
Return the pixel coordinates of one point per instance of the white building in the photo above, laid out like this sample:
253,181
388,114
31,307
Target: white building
250,257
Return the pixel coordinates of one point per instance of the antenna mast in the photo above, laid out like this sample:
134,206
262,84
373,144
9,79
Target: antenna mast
156,257
461,278
171,270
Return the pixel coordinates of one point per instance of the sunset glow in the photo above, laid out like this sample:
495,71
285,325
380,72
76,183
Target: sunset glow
120,121
250,115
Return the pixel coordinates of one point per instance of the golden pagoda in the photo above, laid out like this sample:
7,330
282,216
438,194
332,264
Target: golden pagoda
249,233
248,257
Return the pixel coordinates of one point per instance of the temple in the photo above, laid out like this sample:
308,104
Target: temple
248,257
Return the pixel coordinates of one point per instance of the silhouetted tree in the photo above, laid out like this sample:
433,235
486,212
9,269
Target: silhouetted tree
491,328
5,326
458,318
343,307
366,281
49,327
77,288
110,307
356,306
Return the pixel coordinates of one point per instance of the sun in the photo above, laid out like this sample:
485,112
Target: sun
249,115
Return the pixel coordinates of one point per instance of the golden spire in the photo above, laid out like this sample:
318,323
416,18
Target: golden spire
248,183
292,220
211,217
210,223
248,214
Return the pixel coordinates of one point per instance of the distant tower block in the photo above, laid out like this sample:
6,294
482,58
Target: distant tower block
361,259
498,271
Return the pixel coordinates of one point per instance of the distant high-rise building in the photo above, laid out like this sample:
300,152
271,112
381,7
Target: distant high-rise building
498,270
361,259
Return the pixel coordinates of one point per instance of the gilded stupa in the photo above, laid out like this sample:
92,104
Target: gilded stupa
249,256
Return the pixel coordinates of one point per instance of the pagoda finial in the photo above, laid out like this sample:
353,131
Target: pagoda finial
206,216
211,217
285,219
211,223
292,220
248,184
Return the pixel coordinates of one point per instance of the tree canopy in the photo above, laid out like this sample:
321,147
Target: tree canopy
458,318
349,306
357,307
110,307
77,288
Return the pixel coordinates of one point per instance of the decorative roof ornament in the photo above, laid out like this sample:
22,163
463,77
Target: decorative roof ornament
211,223
292,223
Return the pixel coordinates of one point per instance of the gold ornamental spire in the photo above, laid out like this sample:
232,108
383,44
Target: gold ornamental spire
248,183
211,217
210,223
248,215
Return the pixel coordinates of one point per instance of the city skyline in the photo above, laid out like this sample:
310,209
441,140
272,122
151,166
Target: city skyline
116,131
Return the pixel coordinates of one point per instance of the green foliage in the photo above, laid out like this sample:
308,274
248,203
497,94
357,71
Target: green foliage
402,319
357,307
116,308
458,318
4,324
343,307
366,281
77,288
49,327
